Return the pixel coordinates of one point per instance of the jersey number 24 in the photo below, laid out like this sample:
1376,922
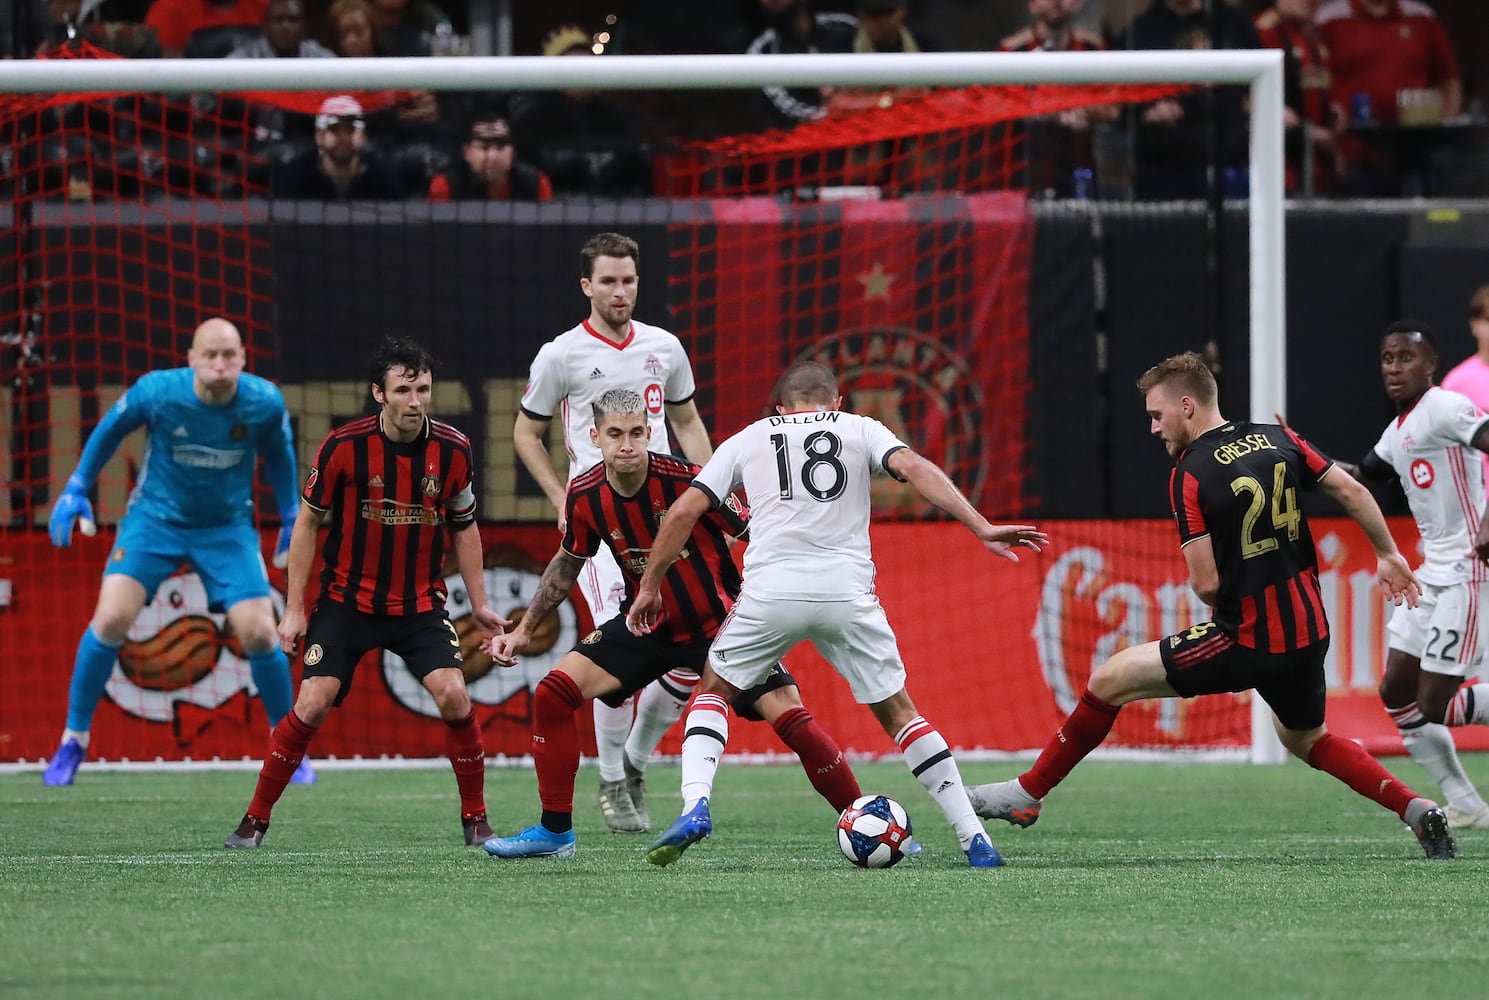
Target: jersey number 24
1285,514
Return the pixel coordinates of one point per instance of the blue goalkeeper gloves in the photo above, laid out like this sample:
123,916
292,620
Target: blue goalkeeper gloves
286,531
72,508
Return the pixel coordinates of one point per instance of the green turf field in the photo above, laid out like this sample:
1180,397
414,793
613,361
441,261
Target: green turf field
1144,880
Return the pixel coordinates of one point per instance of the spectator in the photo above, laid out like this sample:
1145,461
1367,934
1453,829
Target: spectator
279,133
489,170
792,28
340,168
1379,48
408,27
283,37
354,35
896,164
1311,117
42,23
881,28
1173,135
1052,28
175,20
585,142
1059,153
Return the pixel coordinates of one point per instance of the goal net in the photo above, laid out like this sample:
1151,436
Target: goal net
904,236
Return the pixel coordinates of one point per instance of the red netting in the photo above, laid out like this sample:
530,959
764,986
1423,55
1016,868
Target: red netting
892,240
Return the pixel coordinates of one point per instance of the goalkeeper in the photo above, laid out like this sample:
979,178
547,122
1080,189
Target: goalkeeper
206,426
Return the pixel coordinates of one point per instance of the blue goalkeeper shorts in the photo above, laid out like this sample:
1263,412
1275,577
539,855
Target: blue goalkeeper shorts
227,557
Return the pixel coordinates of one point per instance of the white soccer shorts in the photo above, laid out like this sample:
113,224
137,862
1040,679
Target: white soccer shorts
1445,631
603,586
854,636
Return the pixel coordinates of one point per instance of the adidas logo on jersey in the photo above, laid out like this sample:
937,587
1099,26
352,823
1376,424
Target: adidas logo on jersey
596,374
180,432
376,482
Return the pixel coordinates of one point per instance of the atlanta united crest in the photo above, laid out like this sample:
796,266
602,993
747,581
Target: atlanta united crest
918,387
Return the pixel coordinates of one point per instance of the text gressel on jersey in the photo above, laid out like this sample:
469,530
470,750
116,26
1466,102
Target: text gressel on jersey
1232,450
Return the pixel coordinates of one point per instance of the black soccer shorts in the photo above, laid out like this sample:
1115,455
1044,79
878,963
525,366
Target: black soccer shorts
337,637
637,660
1204,660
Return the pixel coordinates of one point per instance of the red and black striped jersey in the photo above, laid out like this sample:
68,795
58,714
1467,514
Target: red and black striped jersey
1239,485
391,503
698,588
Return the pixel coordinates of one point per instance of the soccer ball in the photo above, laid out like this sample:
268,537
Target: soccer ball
873,831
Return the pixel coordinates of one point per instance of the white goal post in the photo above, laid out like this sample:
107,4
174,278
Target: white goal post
1260,70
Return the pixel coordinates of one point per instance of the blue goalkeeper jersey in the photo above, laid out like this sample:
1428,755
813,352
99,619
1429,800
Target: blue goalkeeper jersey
199,458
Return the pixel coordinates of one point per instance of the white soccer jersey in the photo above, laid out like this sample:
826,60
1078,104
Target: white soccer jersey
1429,447
579,366
807,478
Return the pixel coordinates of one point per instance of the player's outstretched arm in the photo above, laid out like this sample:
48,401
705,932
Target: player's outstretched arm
1391,569
72,507
1372,468
685,511
692,436
470,559
936,486
553,589
301,556
281,470
527,438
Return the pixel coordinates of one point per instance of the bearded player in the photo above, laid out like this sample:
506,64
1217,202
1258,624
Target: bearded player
610,350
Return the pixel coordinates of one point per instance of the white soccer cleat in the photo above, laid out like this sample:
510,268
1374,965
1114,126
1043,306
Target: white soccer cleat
1005,800
1462,819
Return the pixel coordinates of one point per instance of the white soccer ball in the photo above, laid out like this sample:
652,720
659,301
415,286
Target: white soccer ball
873,831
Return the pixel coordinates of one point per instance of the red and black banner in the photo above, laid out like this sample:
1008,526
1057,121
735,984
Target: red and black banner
919,304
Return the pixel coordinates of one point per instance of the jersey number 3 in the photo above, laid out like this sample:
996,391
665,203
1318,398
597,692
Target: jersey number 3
822,474
1285,514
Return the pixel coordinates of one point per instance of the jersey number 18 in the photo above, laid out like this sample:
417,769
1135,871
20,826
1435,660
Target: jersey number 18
822,450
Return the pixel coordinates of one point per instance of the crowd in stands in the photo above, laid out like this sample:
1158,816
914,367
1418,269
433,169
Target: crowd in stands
1374,92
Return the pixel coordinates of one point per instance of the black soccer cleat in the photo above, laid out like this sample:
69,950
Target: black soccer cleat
477,830
250,833
1432,833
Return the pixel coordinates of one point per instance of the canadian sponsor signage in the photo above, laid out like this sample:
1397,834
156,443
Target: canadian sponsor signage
997,652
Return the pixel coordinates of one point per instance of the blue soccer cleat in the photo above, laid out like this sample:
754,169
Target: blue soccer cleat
982,854
304,774
63,766
533,842
689,828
